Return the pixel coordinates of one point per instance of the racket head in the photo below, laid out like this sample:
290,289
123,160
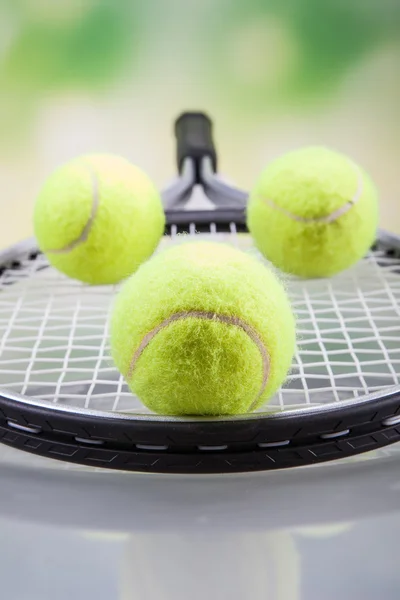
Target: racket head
62,397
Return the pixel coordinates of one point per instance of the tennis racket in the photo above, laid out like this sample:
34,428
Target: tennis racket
61,397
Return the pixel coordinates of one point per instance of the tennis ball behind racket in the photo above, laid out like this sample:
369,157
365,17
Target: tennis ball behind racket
97,218
313,212
203,329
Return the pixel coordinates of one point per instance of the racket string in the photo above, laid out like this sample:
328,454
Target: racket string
68,350
54,334
322,348
37,343
347,337
386,358
100,359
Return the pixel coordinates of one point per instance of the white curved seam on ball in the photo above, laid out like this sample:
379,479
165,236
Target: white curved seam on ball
210,316
89,224
326,219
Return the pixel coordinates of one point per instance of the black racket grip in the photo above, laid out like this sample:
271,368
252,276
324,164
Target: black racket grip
193,131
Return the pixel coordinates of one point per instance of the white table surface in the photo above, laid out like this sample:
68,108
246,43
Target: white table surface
324,532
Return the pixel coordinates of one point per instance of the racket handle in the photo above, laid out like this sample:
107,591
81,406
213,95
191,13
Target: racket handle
193,132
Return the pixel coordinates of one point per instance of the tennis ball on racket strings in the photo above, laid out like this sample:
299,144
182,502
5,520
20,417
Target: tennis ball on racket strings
97,218
203,329
313,212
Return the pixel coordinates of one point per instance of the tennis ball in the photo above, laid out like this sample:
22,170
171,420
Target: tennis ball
203,329
97,218
313,212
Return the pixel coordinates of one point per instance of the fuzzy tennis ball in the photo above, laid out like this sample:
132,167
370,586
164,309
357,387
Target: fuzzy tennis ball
97,218
313,212
203,329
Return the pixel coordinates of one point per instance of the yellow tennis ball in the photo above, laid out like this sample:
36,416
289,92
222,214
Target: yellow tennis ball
313,212
97,218
203,329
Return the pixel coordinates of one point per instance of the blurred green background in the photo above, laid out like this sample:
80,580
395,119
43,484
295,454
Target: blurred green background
111,75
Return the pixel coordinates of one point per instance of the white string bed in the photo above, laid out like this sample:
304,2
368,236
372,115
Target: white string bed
54,339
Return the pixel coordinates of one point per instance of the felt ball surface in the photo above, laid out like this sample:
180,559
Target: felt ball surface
97,218
313,212
203,329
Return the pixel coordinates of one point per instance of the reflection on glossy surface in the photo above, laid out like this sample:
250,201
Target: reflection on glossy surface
230,565
51,492
287,535
274,565
284,535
